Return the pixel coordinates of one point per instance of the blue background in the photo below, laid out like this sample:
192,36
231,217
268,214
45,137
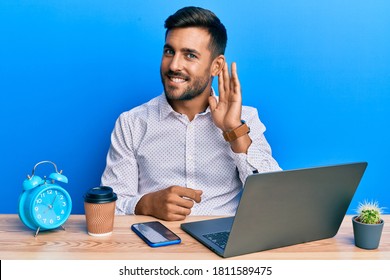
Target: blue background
318,72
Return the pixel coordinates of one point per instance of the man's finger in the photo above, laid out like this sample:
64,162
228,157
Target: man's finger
221,87
235,98
212,103
173,217
187,193
226,79
235,81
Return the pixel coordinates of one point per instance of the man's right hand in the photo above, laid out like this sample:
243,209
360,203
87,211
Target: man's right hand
171,204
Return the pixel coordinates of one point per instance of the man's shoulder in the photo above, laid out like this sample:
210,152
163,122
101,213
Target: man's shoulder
249,110
144,109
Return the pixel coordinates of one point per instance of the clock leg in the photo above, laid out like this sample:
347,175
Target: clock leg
63,227
36,233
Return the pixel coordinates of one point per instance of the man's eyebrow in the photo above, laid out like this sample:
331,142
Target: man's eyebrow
167,46
186,50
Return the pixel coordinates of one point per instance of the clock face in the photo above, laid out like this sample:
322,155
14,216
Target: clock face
50,207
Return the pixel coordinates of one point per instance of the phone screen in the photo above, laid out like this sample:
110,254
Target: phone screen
155,234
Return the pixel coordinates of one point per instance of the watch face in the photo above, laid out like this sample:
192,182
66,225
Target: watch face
51,207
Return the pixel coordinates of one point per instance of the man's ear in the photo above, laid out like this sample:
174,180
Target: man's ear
217,65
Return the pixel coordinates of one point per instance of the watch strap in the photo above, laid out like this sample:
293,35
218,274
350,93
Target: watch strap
233,134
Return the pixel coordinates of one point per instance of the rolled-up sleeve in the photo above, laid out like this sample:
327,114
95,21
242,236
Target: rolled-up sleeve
121,172
258,158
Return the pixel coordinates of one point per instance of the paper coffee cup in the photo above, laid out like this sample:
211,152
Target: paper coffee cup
99,205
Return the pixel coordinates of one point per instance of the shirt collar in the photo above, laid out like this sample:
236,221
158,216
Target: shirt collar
166,109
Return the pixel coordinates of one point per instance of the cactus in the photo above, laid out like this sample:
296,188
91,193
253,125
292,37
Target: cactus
369,212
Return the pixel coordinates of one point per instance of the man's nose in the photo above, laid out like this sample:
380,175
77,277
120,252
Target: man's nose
176,63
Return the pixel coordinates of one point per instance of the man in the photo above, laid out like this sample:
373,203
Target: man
188,151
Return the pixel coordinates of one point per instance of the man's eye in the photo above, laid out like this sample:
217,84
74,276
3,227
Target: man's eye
191,56
169,52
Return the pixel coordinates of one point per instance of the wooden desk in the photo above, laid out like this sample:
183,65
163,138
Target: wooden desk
18,242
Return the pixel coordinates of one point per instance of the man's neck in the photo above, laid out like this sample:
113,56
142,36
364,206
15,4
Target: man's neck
192,107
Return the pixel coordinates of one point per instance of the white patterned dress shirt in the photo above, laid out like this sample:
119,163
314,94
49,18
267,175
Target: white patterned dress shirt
154,147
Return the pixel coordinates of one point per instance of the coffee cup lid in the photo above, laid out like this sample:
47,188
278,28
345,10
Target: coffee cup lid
101,194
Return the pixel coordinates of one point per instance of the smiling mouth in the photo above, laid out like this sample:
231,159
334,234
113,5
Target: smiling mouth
177,79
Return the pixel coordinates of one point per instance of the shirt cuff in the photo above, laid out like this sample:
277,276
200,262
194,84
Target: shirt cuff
244,165
126,205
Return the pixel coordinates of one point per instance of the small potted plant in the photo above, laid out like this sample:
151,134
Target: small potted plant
368,225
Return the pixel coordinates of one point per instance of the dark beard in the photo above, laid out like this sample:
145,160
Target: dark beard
192,91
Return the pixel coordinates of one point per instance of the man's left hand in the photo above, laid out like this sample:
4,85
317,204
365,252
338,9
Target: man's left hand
226,112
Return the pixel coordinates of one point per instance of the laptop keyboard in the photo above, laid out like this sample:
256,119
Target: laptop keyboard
218,238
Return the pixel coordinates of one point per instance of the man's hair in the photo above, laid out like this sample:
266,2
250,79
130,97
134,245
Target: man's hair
199,17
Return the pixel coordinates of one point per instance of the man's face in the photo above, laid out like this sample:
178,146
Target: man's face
186,63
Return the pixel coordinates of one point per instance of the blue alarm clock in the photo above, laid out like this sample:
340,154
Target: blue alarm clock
44,205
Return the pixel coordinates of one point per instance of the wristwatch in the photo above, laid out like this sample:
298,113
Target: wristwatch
233,134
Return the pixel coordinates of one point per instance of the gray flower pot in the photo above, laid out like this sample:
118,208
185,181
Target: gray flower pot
367,236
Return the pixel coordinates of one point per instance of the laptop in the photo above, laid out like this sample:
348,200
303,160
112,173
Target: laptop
282,208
